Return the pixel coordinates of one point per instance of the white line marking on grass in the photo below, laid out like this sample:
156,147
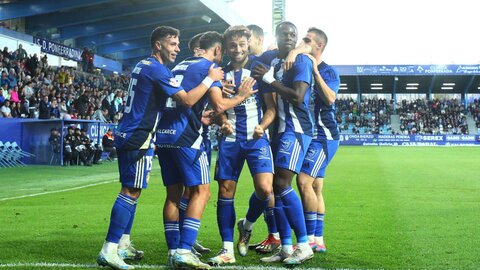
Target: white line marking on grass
57,191
140,266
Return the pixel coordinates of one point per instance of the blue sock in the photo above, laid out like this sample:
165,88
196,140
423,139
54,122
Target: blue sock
269,215
283,226
310,222
319,227
130,223
182,207
226,218
294,212
172,234
255,207
189,233
122,211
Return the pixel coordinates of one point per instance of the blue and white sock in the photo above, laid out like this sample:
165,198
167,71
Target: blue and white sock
283,226
294,212
122,211
310,223
255,208
226,218
188,234
269,216
319,229
172,234
182,207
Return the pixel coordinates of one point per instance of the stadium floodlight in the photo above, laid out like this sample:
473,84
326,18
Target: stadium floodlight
448,84
346,88
447,88
411,88
343,84
376,84
376,88
412,84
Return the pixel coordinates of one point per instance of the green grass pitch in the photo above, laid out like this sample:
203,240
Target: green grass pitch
387,208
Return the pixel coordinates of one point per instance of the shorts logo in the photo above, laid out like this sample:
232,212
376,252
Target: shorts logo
311,154
285,147
264,153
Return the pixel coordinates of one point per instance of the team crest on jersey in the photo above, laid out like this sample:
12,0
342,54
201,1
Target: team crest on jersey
285,147
174,82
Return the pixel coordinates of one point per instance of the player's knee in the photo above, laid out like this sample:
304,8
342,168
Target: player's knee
264,191
131,192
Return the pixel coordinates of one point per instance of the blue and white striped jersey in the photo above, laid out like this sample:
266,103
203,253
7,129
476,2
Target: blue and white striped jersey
326,127
294,118
248,114
150,86
182,126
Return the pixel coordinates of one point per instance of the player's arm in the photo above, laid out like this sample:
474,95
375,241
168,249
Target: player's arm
268,116
225,126
221,104
294,95
188,99
292,55
325,92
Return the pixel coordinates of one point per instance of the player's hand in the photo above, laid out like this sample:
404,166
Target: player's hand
207,117
216,74
292,55
258,132
228,88
226,128
259,71
314,63
245,90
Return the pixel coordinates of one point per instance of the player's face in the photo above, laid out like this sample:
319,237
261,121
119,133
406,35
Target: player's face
237,48
255,45
287,38
310,39
169,48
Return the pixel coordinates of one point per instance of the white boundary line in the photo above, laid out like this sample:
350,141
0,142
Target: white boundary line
56,191
140,266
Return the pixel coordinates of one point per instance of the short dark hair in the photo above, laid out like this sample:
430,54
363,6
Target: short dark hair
236,31
284,23
194,42
256,30
209,39
162,32
321,36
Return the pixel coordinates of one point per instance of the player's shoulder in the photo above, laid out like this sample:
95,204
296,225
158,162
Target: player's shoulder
150,64
302,58
267,56
328,69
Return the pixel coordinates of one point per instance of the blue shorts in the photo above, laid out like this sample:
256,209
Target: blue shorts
289,150
319,155
134,167
183,165
232,156
208,149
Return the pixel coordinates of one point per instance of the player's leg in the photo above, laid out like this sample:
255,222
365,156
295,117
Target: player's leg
134,168
330,148
195,170
229,164
272,241
260,163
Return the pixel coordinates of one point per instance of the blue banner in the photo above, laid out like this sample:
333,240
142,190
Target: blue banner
409,140
393,70
58,49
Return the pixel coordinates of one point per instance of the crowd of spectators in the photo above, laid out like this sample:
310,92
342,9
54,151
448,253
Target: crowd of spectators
30,88
435,116
371,116
474,108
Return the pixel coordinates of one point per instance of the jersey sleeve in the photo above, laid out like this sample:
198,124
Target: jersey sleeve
302,69
331,78
215,83
167,82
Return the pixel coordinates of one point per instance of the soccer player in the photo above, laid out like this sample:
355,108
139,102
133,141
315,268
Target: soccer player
248,142
182,156
295,130
325,140
255,46
150,85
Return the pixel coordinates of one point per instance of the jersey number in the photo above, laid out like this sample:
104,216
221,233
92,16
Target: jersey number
131,95
170,103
